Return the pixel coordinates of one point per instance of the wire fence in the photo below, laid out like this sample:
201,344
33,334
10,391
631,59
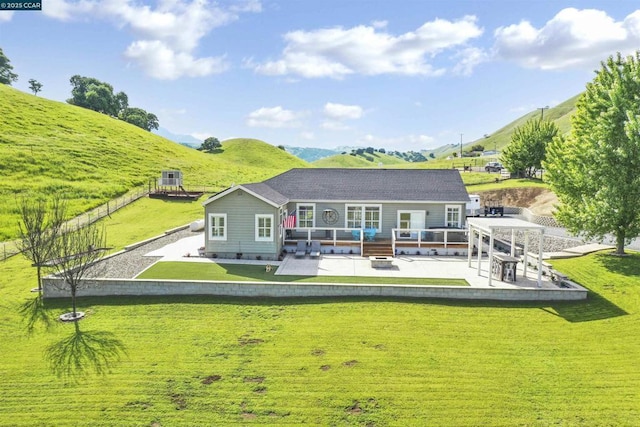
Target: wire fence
11,248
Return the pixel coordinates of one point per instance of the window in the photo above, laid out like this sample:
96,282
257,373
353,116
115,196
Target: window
363,216
453,216
305,216
217,226
264,228
354,216
372,217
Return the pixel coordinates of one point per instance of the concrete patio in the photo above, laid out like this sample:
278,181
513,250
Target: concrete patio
445,267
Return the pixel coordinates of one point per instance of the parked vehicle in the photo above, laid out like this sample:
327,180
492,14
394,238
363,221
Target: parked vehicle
493,207
473,205
493,167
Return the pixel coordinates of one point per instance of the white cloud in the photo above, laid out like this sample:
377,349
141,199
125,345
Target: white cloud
368,50
334,125
161,62
342,112
307,135
572,38
167,34
273,117
469,58
5,16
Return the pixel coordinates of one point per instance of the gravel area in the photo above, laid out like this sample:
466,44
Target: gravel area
129,264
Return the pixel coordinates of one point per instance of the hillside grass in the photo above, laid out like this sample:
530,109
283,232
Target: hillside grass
176,270
49,147
359,161
351,361
560,114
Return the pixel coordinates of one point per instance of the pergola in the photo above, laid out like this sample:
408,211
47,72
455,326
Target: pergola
487,226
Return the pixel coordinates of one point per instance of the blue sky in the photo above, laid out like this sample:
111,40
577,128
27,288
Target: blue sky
400,75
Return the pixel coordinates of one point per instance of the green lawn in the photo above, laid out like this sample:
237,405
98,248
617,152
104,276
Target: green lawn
182,361
175,270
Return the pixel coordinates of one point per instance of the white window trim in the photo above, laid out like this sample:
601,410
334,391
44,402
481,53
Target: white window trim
312,205
363,209
446,215
224,228
264,239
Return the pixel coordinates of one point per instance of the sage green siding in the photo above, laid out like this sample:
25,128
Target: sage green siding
241,209
436,216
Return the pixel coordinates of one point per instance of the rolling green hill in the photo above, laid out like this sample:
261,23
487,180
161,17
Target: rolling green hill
560,114
358,161
51,147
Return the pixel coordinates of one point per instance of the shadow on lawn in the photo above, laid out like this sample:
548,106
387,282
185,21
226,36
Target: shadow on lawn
626,265
34,312
594,308
83,352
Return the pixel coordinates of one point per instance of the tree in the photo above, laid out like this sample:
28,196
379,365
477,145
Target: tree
524,155
95,95
39,226
210,144
140,118
595,170
477,147
35,86
6,75
75,252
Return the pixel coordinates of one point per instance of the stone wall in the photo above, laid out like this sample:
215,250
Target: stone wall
53,288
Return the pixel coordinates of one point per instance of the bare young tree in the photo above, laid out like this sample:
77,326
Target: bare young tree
75,252
39,226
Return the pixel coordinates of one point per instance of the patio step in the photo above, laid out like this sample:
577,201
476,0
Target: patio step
377,249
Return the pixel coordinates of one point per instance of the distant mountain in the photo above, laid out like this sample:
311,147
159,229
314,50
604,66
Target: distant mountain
180,139
311,154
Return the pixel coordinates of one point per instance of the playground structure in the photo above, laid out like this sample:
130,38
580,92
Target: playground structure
170,187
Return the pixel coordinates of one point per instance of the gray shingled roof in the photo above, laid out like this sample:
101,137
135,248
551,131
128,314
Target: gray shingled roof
438,185
267,192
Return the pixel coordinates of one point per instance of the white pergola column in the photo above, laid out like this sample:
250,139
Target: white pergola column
490,255
470,245
513,242
540,257
479,251
525,257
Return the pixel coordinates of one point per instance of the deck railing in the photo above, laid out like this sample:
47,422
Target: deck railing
334,234
427,236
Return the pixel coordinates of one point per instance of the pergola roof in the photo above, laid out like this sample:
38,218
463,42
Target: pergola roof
503,223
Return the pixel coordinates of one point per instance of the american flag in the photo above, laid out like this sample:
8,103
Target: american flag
290,221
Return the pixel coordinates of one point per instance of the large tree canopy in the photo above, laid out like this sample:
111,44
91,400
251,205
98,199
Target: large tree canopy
210,144
95,95
524,155
7,76
140,118
595,171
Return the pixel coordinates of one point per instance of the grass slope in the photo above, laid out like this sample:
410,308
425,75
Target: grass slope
560,114
50,147
220,361
358,161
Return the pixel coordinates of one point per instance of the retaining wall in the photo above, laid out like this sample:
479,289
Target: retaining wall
53,288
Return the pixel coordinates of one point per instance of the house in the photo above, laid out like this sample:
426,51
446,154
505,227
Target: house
358,211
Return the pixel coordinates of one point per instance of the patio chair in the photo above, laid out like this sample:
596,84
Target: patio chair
301,249
315,249
370,234
355,234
